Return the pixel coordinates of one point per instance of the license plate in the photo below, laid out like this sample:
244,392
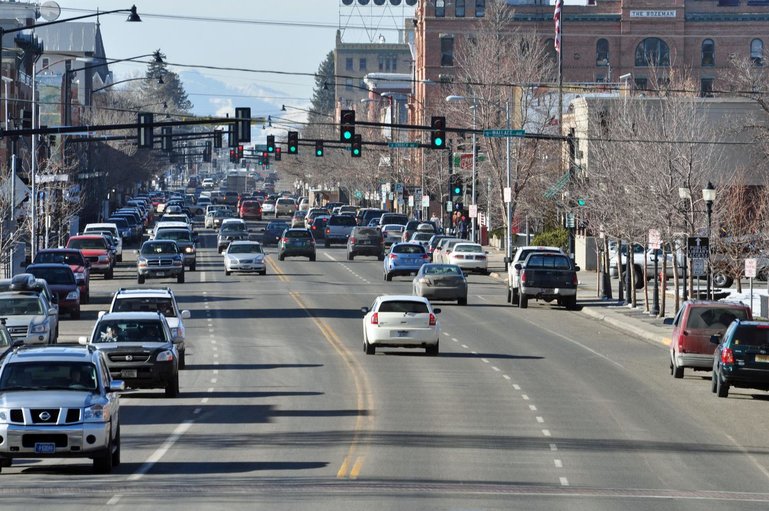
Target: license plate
160,273
45,447
401,333
762,358
128,373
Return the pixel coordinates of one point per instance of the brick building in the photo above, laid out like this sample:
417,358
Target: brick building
607,40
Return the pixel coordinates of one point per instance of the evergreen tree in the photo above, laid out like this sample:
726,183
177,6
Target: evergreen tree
171,91
323,95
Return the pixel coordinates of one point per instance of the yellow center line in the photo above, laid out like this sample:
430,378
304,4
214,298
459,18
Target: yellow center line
364,398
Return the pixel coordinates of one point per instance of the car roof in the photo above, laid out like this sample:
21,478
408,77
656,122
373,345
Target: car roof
244,242
411,298
87,237
149,292
50,353
59,251
714,303
115,316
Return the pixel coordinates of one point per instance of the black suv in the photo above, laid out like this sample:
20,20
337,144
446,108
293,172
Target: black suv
297,242
365,241
741,358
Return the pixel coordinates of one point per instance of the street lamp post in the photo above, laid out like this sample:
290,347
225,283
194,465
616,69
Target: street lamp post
686,194
709,196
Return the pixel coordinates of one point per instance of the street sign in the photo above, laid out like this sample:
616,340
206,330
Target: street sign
503,133
698,267
508,194
473,211
751,268
398,188
425,201
570,221
449,206
699,247
655,241
411,201
395,145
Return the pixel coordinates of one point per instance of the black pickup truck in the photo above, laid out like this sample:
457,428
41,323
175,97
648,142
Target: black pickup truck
548,276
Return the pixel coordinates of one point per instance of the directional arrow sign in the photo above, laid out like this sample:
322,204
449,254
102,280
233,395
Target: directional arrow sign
699,247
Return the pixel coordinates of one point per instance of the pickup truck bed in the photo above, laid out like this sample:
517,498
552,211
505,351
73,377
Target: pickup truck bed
548,277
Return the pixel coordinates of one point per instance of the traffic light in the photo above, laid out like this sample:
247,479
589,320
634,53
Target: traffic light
438,133
581,202
347,131
145,130
277,153
293,142
240,153
233,155
456,187
357,146
217,139
319,148
270,143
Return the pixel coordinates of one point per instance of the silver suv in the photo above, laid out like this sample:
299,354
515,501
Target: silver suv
158,259
59,402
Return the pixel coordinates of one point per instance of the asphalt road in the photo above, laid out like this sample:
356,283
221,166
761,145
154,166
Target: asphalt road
524,409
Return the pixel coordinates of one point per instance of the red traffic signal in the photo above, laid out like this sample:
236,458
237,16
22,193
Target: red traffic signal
277,153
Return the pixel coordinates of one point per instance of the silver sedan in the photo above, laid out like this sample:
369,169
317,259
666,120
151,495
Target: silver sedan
441,282
245,256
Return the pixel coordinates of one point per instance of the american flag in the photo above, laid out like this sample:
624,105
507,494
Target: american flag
557,19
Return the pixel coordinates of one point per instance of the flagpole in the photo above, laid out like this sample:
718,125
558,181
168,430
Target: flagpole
559,38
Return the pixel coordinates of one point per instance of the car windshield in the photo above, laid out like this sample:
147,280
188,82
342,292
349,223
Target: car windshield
408,249
234,226
403,306
442,270
421,236
297,234
277,227
342,220
751,335
714,317
468,248
245,248
53,375
59,257
55,276
87,243
163,305
180,235
22,306
129,331
367,232
159,248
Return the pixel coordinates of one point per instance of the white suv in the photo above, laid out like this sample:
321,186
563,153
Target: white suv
155,300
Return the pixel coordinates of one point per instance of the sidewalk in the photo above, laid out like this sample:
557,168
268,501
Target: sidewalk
634,321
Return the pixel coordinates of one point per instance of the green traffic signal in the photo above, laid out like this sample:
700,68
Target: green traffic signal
581,202
347,135
292,149
438,142
356,151
457,190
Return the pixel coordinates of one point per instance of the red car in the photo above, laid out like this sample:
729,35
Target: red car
96,252
250,209
77,263
695,323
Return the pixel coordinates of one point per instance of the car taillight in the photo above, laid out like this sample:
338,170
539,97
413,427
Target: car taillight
285,240
314,228
393,256
575,280
375,318
425,256
432,319
328,231
523,276
458,256
727,356
352,239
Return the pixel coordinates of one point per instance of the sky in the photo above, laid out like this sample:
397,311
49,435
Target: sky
287,36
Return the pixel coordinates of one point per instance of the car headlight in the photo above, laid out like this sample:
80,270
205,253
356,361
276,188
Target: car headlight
165,356
174,332
40,328
95,413
5,415
190,250
80,276
142,262
73,295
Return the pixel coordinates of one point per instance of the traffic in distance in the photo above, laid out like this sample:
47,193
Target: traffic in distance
95,327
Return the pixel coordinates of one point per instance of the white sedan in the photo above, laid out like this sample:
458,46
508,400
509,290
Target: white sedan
470,257
401,321
244,256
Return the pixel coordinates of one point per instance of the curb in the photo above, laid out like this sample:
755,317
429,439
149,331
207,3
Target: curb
625,327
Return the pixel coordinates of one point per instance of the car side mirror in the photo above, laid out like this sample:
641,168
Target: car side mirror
102,313
518,266
576,268
715,339
668,321
53,311
364,310
185,314
436,311
82,340
116,386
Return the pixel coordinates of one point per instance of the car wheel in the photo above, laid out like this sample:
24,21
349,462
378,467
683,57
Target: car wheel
180,278
720,279
75,314
677,371
326,243
350,256
119,258
182,359
192,267
140,279
380,257
570,303
281,257
722,388
432,350
109,275
228,273
172,387
6,462
263,272
509,295
369,348
462,301
523,301
86,298
102,464
388,277
116,449
515,300
713,386
312,257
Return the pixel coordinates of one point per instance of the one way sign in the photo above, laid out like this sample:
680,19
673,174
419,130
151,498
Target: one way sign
699,247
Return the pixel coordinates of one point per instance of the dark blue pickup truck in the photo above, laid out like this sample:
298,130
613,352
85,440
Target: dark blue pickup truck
548,276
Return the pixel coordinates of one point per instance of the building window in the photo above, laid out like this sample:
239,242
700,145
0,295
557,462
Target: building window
640,83
602,53
480,8
447,50
362,64
348,64
708,53
706,87
348,83
440,8
757,52
394,64
45,63
459,8
652,52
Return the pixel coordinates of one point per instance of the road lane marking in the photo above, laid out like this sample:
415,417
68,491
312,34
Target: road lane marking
516,386
465,346
204,400
564,481
114,500
213,380
156,456
532,408
540,419
506,377
355,472
196,411
553,447
524,397
342,472
495,368
546,432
